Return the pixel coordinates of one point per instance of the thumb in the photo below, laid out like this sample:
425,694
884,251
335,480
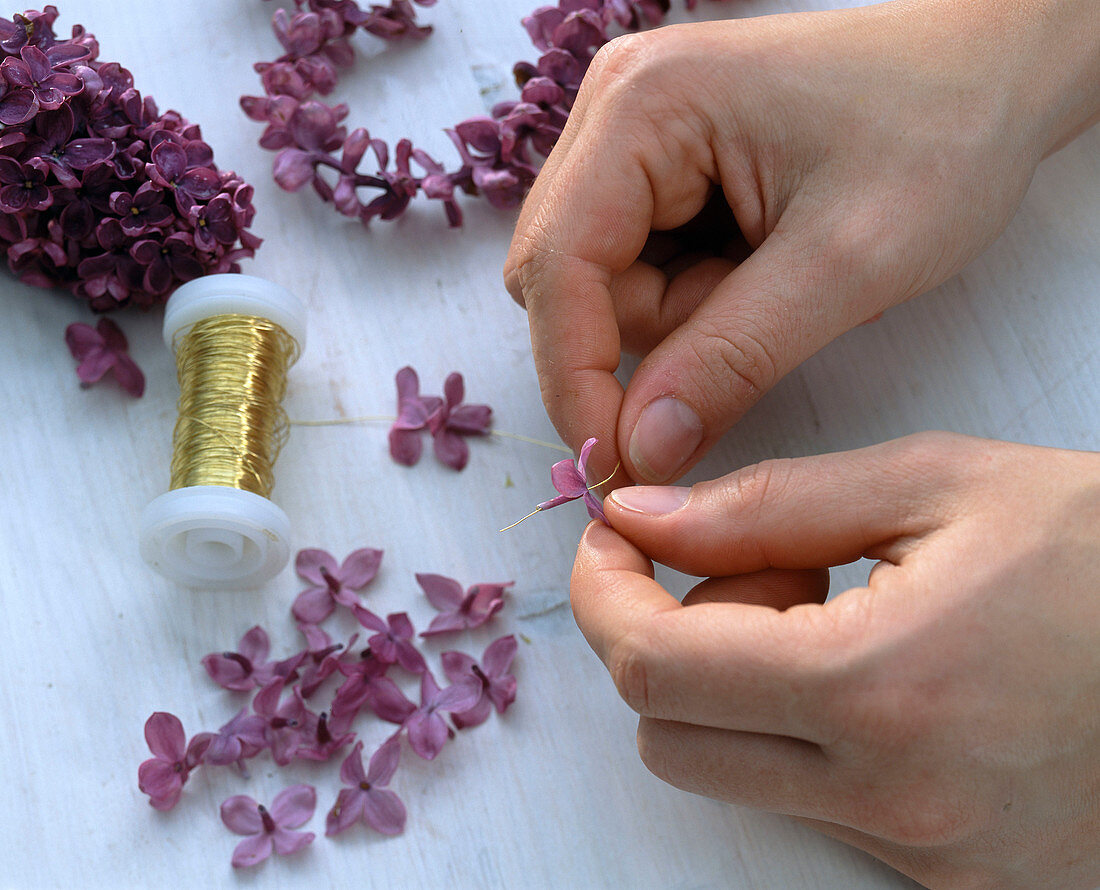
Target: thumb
776,309
797,514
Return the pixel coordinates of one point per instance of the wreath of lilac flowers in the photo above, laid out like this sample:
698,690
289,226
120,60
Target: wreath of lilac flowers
354,679
499,154
100,193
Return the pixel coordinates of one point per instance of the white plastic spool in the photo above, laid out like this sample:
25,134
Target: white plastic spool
206,536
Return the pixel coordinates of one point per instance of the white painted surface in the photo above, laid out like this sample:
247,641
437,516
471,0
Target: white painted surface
552,795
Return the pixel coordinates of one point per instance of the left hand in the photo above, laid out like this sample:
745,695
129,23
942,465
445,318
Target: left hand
944,718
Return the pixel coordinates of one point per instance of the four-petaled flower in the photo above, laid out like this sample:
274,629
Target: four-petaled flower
453,420
240,738
332,584
102,349
270,830
164,774
248,666
570,479
392,641
498,687
460,610
288,725
367,798
413,413
427,730
24,185
33,73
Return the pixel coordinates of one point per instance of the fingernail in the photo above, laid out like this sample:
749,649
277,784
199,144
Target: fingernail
665,436
653,500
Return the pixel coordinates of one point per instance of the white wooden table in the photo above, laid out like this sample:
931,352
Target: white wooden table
553,794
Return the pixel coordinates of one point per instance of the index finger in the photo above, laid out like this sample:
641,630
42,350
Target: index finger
586,220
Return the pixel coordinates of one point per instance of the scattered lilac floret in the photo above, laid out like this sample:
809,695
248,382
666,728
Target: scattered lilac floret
269,830
454,420
323,659
281,722
239,739
102,349
413,413
332,584
460,610
163,775
287,725
447,419
367,799
392,641
427,730
248,667
498,687
330,734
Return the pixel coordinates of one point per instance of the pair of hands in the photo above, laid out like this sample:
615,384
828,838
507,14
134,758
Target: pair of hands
726,199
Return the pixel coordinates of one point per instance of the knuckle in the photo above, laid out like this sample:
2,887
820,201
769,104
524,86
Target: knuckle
630,674
755,486
624,58
737,360
526,264
658,753
919,817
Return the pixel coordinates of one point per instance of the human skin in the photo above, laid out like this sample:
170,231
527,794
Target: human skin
945,718
726,199
858,157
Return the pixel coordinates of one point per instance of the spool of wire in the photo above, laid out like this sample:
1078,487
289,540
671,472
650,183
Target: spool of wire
234,338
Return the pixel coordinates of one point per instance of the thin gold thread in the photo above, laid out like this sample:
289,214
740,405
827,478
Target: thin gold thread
389,418
590,488
231,425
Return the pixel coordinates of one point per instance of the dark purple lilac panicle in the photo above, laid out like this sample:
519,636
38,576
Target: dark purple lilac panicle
499,155
115,201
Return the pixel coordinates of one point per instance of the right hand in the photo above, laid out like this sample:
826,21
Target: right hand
865,156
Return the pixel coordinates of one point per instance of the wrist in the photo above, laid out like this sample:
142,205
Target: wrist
1039,58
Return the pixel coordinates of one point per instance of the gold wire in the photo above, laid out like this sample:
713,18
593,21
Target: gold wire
231,425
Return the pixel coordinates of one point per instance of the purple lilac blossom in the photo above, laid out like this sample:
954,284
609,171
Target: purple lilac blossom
498,687
248,667
570,479
270,830
413,414
367,799
392,641
279,720
236,741
427,730
454,420
332,584
499,155
163,775
288,725
81,150
102,349
460,610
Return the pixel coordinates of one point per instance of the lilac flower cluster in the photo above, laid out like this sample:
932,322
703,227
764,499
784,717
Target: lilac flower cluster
499,153
447,419
356,678
100,192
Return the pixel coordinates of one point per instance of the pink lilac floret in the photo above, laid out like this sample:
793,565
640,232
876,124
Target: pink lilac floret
269,831
460,610
498,687
367,798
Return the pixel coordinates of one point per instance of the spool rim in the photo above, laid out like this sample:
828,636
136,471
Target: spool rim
233,293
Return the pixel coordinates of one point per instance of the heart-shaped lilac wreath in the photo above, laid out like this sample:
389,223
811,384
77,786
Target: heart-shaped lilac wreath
498,154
